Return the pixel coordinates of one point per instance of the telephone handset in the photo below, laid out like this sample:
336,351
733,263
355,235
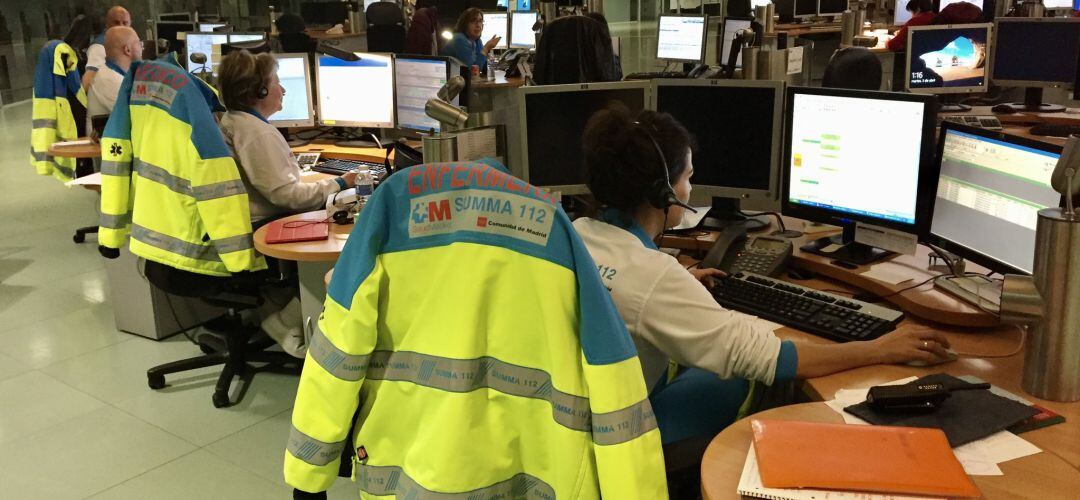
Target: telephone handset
765,255
505,58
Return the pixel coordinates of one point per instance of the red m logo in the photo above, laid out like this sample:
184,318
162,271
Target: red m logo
439,210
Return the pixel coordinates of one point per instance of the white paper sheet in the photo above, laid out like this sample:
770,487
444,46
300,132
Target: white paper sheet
888,272
93,179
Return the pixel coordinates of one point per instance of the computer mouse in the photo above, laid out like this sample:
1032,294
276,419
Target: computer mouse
1003,109
950,355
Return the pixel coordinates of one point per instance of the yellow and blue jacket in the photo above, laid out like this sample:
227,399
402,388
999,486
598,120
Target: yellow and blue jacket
169,180
56,84
466,320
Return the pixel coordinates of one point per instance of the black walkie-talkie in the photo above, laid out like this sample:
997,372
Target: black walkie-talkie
914,396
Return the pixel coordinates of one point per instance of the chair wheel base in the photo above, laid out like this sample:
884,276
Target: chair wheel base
79,238
221,399
155,381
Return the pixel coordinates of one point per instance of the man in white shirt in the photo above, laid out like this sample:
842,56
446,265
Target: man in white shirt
122,46
95,53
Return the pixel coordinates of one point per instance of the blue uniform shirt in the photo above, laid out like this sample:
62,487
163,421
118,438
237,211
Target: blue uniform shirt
467,51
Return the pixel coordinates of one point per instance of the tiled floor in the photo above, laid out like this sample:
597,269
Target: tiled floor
76,417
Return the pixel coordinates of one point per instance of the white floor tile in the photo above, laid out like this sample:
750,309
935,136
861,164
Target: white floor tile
118,372
67,334
34,401
195,476
84,456
260,448
10,367
186,410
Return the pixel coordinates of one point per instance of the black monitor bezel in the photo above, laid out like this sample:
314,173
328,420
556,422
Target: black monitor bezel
928,174
948,245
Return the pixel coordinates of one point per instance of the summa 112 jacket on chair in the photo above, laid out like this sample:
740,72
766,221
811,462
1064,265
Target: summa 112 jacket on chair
56,86
468,322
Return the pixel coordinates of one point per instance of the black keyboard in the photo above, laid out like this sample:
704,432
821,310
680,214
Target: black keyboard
1053,130
338,167
655,75
820,313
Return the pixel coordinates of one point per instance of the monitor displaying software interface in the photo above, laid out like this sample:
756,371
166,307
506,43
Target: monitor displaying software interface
856,155
1055,4
555,122
731,27
681,38
989,196
292,72
356,93
496,24
948,58
416,80
733,153
204,43
521,29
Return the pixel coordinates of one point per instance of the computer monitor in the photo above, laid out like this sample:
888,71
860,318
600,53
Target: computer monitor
681,37
296,107
948,59
175,16
1035,52
1056,4
759,3
356,93
551,125
208,27
728,29
497,23
900,14
941,4
990,189
806,9
246,37
738,125
521,29
832,7
207,44
170,31
858,156
417,79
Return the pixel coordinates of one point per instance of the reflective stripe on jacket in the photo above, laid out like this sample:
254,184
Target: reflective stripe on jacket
169,180
56,80
489,360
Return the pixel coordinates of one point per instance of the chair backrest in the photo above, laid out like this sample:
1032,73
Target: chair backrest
296,42
384,14
853,68
574,49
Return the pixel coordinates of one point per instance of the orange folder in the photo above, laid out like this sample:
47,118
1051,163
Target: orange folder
903,460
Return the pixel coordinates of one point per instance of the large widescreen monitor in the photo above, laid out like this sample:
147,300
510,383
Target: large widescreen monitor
296,107
681,37
207,44
858,156
496,23
989,193
948,59
416,80
553,119
356,93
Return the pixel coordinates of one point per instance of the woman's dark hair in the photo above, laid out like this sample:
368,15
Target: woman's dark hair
79,34
470,15
598,17
621,165
920,6
853,68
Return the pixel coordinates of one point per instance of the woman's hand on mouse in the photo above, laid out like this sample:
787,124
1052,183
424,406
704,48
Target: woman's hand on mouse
914,343
706,275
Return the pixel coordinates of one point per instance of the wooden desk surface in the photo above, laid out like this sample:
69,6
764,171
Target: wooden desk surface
801,29
326,250
330,150
91,150
1043,475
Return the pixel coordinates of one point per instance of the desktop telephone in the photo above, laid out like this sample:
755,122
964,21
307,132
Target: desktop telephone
503,61
306,160
733,252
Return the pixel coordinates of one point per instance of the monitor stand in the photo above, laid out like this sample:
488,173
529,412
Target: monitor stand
951,104
844,248
725,212
293,142
367,140
1033,103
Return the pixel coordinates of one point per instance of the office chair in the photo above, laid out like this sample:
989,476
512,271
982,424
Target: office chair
574,49
385,28
853,68
237,345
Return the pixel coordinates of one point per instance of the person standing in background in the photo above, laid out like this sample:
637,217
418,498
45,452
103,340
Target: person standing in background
96,53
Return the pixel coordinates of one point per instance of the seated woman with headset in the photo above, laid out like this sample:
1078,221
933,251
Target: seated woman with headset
251,92
639,168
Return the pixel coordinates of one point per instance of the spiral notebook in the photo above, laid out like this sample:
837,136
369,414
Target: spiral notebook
750,485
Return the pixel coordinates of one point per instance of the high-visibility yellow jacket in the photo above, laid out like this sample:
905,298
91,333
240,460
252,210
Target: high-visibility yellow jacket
169,180
56,83
467,319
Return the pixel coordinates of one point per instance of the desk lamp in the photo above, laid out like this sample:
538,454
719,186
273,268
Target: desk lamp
1048,302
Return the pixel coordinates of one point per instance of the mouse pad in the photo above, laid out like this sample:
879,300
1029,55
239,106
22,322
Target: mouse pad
965,417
